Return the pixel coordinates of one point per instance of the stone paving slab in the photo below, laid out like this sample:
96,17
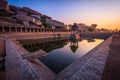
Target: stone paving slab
17,68
112,67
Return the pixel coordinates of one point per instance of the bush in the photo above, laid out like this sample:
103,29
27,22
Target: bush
19,21
43,20
47,26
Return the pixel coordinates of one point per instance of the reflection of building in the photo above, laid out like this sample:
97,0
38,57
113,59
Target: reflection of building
44,44
75,32
73,45
4,5
83,27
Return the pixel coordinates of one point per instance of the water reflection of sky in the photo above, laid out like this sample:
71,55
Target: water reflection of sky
60,58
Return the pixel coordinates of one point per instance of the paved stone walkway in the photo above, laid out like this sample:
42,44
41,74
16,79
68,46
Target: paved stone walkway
2,72
112,67
2,75
90,67
18,68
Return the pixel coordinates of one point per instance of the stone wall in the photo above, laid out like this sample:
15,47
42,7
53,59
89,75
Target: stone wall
100,35
35,35
17,68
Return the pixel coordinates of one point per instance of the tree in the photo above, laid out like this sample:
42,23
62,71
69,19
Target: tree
43,20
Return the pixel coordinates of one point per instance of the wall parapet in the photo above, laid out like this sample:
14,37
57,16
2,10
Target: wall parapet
13,27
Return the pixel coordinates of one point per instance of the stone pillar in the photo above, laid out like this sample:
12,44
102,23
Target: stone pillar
21,30
10,29
48,30
3,29
52,30
25,29
42,30
37,30
30,29
33,29
15,29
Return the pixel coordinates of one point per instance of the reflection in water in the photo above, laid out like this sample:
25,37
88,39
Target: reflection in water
43,44
74,45
61,52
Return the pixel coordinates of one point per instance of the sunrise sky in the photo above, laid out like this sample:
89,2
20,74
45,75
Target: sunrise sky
105,13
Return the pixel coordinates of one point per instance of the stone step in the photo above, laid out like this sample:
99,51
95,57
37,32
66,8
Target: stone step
2,75
47,75
43,71
38,75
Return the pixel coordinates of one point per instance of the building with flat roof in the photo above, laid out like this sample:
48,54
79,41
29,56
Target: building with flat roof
29,17
30,11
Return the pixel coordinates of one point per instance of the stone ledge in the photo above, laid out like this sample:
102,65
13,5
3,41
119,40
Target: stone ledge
18,68
90,66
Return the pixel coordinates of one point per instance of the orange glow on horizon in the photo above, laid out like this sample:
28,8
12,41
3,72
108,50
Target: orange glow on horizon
102,23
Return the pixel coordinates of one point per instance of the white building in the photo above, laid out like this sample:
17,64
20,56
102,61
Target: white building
83,27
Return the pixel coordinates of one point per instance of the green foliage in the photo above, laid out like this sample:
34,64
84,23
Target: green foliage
73,48
19,21
43,20
47,25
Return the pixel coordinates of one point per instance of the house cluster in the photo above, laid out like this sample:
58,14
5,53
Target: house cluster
29,17
83,27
